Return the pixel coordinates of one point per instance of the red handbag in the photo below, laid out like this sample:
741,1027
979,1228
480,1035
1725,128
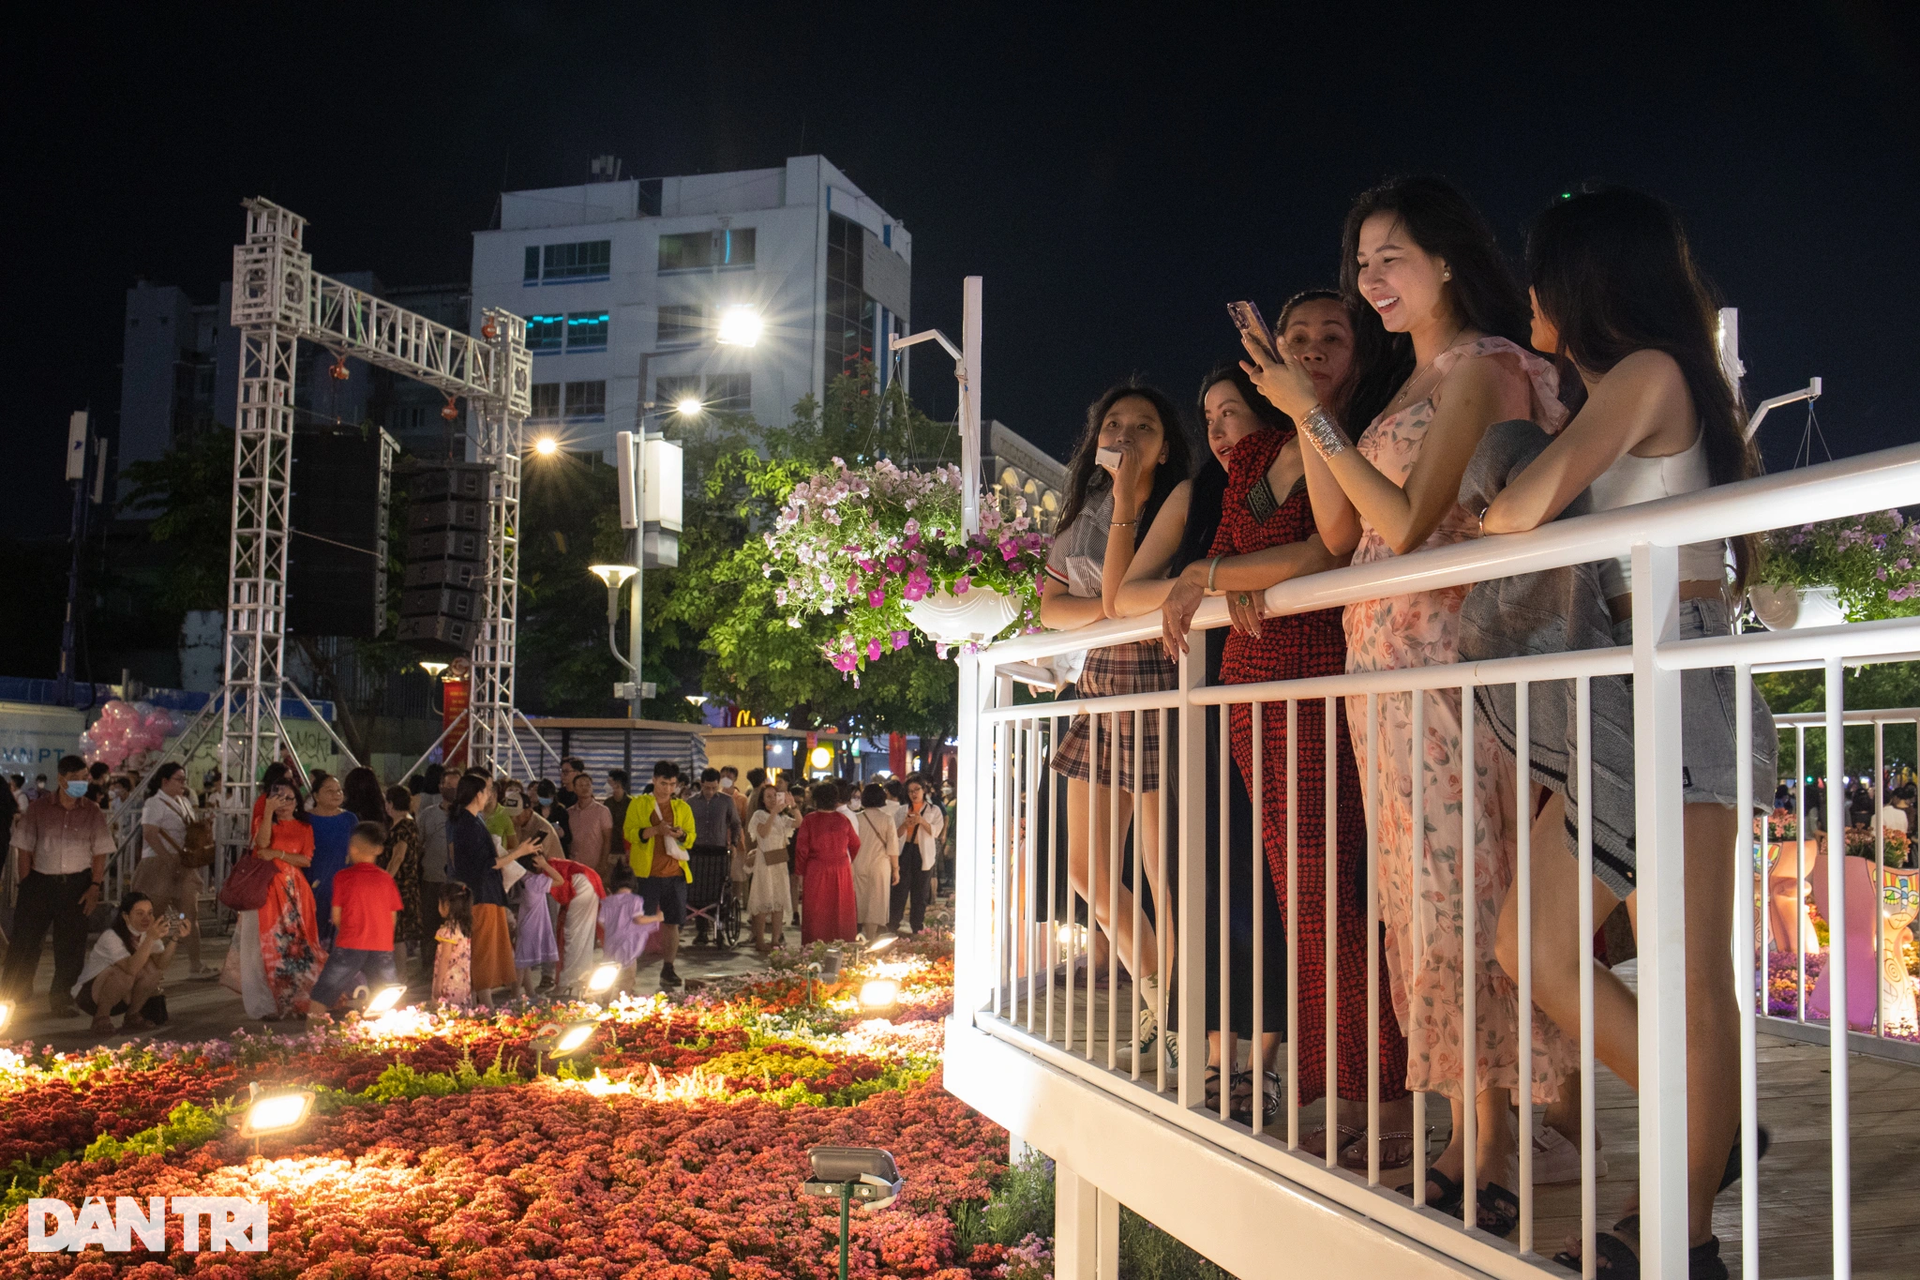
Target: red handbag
247,884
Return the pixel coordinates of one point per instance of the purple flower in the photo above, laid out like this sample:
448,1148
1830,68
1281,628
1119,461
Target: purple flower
962,585
911,528
853,584
975,556
896,564
1008,550
866,566
844,661
876,597
913,540
900,639
940,651
873,650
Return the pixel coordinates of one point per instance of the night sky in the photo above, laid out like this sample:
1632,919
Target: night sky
1115,178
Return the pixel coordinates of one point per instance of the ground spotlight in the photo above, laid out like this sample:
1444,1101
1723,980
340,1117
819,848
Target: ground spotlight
879,993
602,978
572,1038
276,1113
883,943
386,998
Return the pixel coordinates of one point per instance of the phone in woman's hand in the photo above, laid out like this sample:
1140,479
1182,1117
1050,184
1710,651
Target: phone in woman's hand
1247,319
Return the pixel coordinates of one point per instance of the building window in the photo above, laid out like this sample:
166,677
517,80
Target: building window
669,392
567,263
587,331
586,401
546,401
849,329
545,334
728,248
730,393
682,325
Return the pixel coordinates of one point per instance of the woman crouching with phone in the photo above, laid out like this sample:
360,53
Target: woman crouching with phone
1130,458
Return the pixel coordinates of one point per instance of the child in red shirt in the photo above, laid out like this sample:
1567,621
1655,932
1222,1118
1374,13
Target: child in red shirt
365,904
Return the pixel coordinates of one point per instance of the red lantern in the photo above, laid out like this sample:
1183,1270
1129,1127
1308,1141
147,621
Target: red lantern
448,411
489,330
339,370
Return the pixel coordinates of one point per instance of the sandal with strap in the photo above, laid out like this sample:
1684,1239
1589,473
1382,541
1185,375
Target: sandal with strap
1243,1102
1451,1198
1213,1090
1496,1210
1353,1155
1732,1175
1618,1261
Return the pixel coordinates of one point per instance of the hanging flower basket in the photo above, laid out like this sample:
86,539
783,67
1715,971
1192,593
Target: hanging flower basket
1791,608
881,549
974,618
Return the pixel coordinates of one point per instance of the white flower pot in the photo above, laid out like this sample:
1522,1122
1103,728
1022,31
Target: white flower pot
977,616
1796,608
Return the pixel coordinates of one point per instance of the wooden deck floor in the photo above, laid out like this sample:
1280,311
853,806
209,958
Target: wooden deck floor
1795,1178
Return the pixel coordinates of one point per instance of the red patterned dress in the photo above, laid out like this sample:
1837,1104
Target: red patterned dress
1254,518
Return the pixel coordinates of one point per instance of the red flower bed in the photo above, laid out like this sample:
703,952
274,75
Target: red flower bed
539,1180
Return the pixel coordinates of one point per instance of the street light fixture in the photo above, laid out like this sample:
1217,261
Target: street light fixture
433,668
688,406
615,576
739,327
546,446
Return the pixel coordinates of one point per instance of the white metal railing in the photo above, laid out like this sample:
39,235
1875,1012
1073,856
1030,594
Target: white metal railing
1790,867
1015,968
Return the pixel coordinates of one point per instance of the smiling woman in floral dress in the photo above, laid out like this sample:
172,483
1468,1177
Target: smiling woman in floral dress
1423,273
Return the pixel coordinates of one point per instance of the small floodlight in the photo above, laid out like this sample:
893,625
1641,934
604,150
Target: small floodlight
433,668
739,327
883,943
846,1174
387,997
879,993
820,757
6,1013
276,1113
573,1039
602,978
688,406
546,446
614,575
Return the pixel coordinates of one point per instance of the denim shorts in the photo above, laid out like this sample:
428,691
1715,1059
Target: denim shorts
1709,769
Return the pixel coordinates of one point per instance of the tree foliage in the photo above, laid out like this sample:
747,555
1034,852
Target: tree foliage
720,604
189,492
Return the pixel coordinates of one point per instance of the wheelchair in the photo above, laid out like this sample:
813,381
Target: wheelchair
712,904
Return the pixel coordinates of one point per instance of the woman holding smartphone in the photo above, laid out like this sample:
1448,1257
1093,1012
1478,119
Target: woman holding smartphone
279,944
1616,294
1421,264
1109,506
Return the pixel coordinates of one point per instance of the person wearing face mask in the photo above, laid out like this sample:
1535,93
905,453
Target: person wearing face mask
61,845
1108,508
1423,272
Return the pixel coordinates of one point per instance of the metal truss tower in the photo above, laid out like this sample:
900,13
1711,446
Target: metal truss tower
278,299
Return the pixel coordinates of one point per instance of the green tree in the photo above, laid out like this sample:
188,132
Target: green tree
720,618
1876,685
189,492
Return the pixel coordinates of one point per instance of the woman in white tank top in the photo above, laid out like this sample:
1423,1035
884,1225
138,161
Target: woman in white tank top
1615,294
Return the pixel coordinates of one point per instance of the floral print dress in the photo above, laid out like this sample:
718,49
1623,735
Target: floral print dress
452,966
1420,881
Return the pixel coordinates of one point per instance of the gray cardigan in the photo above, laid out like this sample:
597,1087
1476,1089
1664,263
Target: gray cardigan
1554,611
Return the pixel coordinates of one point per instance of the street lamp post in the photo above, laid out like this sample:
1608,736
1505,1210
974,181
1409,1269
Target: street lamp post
966,370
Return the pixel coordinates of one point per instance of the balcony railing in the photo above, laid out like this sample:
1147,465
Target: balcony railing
1043,1049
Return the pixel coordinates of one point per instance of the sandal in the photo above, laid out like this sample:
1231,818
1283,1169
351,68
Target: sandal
1451,1198
1353,1155
1496,1210
102,1025
1618,1261
1269,1098
1213,1090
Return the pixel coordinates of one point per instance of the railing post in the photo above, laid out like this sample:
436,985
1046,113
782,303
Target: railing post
1660,836
1190,897
970,965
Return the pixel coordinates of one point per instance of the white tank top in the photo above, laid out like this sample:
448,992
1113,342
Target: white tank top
1634,479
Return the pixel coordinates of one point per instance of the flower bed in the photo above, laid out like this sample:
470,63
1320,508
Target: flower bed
446,1144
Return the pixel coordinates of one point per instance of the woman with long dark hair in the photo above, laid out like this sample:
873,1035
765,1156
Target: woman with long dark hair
363,796
1421,268
1107,512
161,875
1616,295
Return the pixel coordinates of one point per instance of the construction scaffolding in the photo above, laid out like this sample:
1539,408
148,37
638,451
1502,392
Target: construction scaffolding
279,300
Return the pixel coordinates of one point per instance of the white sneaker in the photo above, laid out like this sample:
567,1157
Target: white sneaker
1556,1160
1147,1032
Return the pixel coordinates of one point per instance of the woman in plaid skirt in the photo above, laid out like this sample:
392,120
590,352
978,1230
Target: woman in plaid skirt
1108,509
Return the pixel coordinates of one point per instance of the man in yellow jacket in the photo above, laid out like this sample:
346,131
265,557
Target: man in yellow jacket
659,832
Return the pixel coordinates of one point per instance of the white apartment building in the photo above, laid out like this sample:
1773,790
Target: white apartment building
623,285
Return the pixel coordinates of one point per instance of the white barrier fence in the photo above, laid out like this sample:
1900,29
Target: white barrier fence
1029,1026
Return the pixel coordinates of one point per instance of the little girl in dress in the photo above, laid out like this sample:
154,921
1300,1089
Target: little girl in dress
625,926
453,959
535,946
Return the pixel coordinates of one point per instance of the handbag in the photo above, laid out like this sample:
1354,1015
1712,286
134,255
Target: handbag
199,848
247,884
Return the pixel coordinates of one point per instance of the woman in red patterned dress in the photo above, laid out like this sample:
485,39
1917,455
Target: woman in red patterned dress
1267,535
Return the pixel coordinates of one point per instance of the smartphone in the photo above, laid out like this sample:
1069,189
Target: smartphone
1247,318
1108,458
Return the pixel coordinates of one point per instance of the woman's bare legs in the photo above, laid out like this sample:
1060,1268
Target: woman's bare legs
1713,1026
1097,837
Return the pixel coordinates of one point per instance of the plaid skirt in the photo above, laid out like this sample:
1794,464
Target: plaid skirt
1142,667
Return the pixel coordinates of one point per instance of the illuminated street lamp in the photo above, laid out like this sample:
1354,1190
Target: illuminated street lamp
739,327
615,576
546,446
688,406
433,668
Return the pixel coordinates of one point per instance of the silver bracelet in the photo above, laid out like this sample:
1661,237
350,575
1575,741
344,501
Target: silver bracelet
1319,427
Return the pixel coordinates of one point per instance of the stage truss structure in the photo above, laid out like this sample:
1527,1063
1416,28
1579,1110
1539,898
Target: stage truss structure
278,301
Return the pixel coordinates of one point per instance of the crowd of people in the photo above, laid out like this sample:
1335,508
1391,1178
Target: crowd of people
1431,398
498,887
